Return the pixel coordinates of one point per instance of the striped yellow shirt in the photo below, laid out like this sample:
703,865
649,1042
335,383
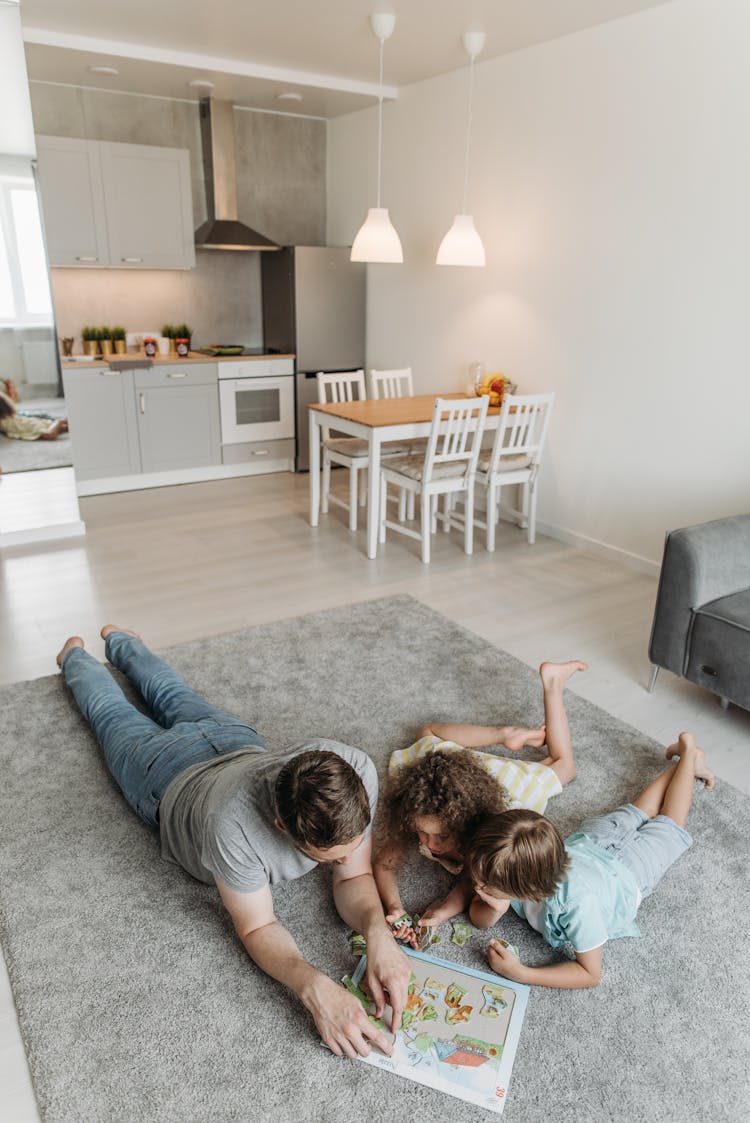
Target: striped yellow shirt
526,782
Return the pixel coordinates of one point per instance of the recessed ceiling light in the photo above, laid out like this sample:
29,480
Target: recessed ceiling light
104,70
289,95
201,84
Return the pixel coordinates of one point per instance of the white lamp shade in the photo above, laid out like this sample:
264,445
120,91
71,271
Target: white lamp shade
376,240
461,245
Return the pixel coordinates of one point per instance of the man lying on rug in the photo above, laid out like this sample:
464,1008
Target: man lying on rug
231,813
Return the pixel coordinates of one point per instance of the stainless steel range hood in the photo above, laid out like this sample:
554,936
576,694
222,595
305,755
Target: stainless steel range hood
223,230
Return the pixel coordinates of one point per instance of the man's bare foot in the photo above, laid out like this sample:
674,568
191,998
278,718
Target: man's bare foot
73,641
115,628
560,672
686,747
516,737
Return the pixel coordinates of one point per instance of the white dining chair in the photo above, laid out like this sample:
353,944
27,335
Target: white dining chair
397,383
391,383
349,452
447,467
514,459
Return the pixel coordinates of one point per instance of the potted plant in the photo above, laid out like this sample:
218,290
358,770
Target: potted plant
183,333
90,340
169,332
118,339
105,341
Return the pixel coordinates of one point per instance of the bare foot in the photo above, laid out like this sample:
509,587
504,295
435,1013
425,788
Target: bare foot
560,672
115,628
516,737
73,641
686,747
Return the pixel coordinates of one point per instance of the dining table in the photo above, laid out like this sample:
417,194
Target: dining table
375,421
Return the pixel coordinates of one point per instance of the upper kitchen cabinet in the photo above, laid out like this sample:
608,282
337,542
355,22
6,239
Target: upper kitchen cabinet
126,206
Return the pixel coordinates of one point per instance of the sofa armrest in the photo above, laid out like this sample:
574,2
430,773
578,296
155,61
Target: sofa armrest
700,563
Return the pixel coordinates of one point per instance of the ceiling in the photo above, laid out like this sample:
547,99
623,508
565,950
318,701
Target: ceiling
254,50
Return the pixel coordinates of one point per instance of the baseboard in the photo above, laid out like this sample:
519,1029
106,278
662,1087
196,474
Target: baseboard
143,480
602,549
42,534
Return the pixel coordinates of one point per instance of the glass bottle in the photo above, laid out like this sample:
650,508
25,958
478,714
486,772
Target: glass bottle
476,374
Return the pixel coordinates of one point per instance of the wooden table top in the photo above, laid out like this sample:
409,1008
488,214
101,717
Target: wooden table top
389,411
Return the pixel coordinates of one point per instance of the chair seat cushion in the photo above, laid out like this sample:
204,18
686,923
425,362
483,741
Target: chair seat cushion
720,647
507,463
413,467
348,446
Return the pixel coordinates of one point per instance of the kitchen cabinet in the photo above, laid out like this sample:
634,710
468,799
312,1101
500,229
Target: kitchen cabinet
178,416
103,426
126,206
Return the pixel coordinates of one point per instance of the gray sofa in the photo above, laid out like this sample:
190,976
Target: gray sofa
701,628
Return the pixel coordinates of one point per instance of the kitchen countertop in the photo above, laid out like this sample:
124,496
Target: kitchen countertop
162,360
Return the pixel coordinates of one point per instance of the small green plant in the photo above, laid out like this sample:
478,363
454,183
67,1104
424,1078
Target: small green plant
169,331
104,333
183,331
89,335
117,333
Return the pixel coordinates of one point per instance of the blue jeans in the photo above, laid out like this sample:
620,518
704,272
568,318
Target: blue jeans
145,754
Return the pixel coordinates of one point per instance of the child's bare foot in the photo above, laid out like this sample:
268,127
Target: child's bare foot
516,737
115,628
73,641
686,747
560,672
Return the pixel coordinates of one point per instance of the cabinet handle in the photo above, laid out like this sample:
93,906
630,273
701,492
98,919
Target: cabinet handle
87,259
178,374
142,403
133,260
261,452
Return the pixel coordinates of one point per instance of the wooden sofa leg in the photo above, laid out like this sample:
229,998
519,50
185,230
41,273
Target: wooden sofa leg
652,679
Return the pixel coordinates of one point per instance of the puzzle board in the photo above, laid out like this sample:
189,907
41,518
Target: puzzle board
459,1032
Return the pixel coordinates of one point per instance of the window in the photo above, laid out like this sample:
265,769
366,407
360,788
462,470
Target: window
24,280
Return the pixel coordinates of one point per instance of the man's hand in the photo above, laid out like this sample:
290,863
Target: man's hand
388,971
341,1021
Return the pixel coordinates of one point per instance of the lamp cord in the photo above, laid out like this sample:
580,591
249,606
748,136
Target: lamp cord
468,134
380,117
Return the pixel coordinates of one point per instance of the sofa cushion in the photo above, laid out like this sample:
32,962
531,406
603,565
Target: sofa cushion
719,654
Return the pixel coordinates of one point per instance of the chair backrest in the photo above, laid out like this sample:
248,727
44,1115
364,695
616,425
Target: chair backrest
342,386
391,383
521,431
455,437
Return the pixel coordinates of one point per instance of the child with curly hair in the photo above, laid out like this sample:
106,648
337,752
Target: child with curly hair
26,427
587,889
440,788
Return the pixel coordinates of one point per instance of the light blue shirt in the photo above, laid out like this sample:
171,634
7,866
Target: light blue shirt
597,901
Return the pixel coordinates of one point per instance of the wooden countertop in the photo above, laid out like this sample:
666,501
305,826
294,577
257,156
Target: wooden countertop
161,360
389,411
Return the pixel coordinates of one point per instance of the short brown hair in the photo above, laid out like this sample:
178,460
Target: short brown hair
517,853
451,785
321,801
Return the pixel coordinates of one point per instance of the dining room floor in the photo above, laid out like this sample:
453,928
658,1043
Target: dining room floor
181,563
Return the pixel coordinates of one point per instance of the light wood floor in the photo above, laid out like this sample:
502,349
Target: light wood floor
180,563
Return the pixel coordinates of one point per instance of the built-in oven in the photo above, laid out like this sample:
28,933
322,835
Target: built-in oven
256,398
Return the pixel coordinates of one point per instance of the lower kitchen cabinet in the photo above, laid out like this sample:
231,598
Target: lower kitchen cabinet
138,422
103,424
178,416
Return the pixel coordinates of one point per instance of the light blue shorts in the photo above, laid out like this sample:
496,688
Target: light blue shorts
648,847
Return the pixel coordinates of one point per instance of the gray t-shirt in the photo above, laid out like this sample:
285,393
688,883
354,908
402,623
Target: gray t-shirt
216,819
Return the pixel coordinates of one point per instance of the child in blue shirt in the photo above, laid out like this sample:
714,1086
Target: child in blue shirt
586,889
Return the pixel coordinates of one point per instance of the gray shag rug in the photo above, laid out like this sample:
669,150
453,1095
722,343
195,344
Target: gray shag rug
137,1002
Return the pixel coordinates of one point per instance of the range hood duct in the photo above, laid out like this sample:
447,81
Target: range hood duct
223,230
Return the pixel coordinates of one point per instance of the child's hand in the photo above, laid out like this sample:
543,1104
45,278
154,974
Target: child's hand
504,962
401,928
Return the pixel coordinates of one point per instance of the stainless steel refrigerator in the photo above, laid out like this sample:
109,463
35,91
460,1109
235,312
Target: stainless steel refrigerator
314,304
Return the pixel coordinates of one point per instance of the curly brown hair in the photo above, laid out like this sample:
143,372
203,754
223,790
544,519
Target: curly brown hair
453,786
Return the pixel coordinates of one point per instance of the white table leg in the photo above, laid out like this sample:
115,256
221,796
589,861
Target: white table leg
314,469
373,494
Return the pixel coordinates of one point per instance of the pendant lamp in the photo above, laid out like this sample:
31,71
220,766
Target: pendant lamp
462,244
376,239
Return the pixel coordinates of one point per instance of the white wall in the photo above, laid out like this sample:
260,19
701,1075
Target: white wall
610,181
